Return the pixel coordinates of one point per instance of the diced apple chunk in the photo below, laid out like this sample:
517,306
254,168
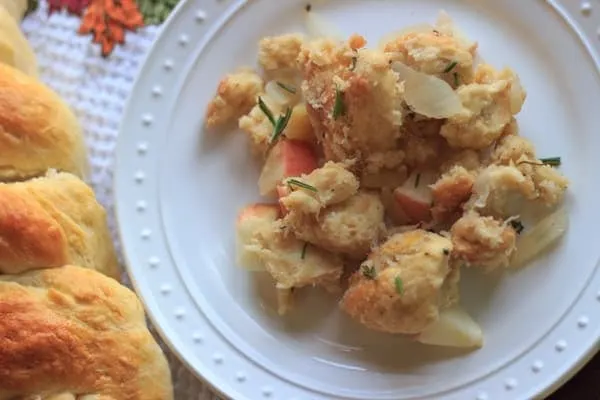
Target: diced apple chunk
253,219
414,198
288,158
454,328
282,191
300,127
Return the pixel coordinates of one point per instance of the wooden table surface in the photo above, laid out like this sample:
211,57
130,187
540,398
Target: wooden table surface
584,386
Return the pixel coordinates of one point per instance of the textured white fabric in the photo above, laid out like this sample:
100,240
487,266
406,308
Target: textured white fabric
97,89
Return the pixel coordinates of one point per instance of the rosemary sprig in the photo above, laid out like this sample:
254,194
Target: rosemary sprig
339,109
303,255
552,161
369,272
287,88
300,184
280,125
450,67
265,109
399,285
456,81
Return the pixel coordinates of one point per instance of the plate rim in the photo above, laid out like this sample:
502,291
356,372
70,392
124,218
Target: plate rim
224,388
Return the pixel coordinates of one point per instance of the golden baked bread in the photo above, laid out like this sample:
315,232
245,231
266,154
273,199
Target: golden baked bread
16,8
71,331
15,50
52,221
38,131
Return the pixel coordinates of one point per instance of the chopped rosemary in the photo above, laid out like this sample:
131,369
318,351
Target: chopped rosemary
303,255
417,180
339,109
450,67
265,109
446,252
456,81
552,161
296,182
517,226
280,125
354,60
399,285
369,272
287,88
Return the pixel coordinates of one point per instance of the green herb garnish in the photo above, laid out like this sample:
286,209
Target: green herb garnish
265,109
354,60
280,125
450,67
517,226
399,285
339,109
296,182
303,255
369,272
446,252
287,88
417,180
456,81
552,161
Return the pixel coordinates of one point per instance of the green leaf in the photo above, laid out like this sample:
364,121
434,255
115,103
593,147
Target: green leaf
155,12
399,285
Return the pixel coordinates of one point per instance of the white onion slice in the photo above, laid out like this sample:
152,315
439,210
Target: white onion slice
428,95
279,95
320,27
454,328
446,26
418,28
517,95
540,238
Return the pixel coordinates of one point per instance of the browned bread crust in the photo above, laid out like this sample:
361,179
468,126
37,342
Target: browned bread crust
53,221
38,131
74,333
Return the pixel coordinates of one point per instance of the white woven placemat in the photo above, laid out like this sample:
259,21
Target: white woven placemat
97,89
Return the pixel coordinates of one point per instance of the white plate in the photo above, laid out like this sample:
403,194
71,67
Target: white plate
178,191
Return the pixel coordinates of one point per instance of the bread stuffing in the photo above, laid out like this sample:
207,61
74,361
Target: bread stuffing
405,158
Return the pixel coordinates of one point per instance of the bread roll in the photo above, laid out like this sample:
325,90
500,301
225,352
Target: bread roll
71,333
15,50
53,221
37,129
16,8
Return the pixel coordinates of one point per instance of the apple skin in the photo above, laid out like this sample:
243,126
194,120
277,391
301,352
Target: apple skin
288,158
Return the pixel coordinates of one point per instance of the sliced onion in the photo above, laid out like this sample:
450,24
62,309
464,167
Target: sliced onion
392,36
279,95
446,26
454,328
428,95
320,27
517,95
540,238
285,299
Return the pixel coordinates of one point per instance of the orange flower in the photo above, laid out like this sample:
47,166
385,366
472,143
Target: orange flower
108,20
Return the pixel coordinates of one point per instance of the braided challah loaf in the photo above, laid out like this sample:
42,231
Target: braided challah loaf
52,221
37,129
66,332
73,332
